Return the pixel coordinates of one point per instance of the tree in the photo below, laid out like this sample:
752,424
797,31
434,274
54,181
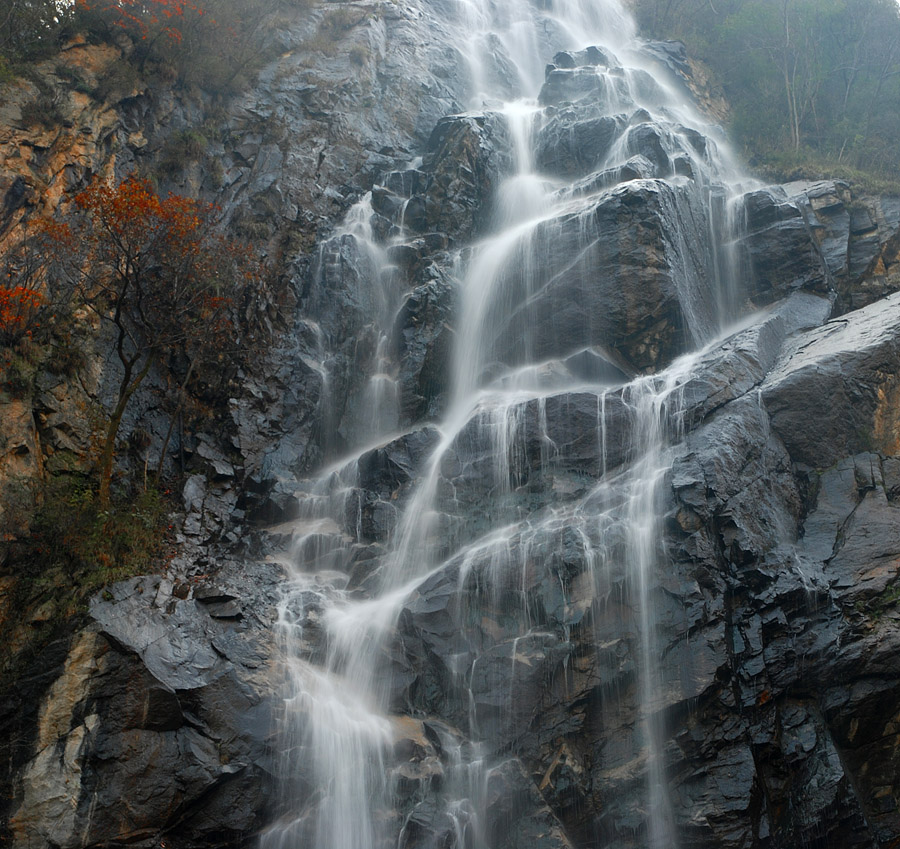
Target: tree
808,80
161,274
28,28
21,298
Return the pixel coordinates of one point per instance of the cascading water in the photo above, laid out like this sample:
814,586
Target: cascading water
543,391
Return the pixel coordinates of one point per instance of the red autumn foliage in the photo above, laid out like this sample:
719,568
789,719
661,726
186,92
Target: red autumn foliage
160,272
24,305
144,17
19,309
159,263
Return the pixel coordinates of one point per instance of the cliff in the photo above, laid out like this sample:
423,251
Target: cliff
762,689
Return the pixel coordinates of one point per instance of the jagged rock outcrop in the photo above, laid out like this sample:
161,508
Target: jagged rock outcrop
775,639
819,238
158,721
625,282
464,159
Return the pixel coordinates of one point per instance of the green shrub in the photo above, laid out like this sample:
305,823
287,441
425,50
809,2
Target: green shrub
76,548
74,551
66,358
43,110
216,172
358,54
182,147
74,78
17,373
338,21
120,80
7,74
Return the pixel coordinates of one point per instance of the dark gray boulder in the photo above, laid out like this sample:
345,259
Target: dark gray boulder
828,211
343,293
570,146
779,247
833,392
424,336
517,816
465,158
636,280
583,83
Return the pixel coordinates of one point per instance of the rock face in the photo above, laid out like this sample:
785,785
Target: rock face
158,720
535,680
815,237
20,467
626,283
776,636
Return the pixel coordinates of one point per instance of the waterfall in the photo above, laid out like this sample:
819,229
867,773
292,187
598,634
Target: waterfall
550,456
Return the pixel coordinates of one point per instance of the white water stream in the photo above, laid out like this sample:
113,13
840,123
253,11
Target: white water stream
337,729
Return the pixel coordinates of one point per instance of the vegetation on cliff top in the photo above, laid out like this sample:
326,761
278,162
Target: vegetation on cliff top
813,84
215,44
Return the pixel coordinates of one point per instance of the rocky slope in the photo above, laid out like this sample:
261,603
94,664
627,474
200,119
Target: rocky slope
284,160
154,724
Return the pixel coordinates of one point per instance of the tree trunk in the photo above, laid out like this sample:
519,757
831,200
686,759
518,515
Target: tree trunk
790,75
172,420
108,455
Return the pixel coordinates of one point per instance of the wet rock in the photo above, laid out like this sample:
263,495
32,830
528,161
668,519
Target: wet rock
873,252
344,116
596,366
573,147
733,467
827,210
635,285
833,391
502,457
517,816
780,248
415,259
646,140
672,54
343,294
274,427
636,168
384,470
582,58
464,161
425,338
571,84
428,825
734,368
595,82
508,682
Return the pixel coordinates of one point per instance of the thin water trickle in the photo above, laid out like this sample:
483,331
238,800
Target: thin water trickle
472,512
